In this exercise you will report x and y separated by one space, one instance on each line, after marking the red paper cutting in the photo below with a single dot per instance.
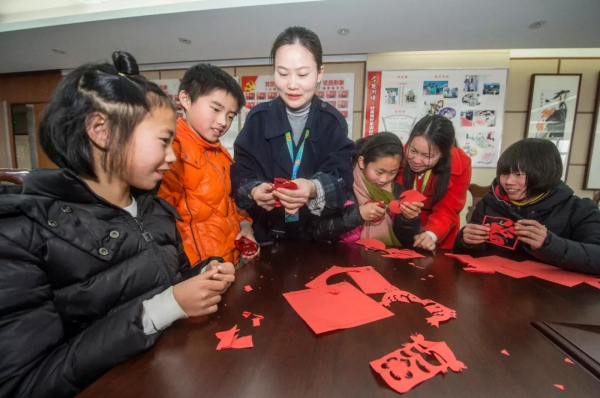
246 314
567 360
412 196
370 281
320 282
402 254
560 386
372 244
407 367
439 312
242 342
505 352
394 207
423 279
594 282
549 273
502 232
324 312
248 288
463 258
226 338
255 322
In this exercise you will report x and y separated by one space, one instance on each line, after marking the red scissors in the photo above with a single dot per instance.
283 183
246 246
381 204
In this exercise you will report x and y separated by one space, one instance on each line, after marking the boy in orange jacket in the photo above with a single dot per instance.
198 183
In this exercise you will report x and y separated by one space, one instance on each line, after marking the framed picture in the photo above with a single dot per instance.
552 110
592 172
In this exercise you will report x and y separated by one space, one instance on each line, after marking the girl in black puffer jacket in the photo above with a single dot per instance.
552 224
91 265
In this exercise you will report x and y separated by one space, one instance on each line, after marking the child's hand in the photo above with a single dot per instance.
226 272
294 199
411 210
424 241
263 196
371 211
200 295
248 233
531 232
475 234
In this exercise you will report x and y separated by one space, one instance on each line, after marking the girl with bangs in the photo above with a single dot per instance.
552 224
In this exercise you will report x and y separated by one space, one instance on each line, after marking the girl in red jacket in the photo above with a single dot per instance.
440 170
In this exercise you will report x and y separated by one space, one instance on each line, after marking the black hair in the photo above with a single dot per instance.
118 92
203 79
303 36
438 131
378 146
539 159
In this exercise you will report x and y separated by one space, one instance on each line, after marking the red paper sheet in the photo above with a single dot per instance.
463 258
411 196
407 367
324 312
370 281
594 282
549 273
372 244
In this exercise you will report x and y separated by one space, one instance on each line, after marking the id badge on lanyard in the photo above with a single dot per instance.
288 140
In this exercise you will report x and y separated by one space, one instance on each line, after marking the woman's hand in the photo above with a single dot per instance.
475 234
263 196
424 241
293 199
531 232
411 210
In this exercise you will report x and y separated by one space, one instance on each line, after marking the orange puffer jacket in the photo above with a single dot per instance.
199 187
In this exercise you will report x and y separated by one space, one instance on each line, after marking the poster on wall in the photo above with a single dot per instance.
336 88
171 88
473 99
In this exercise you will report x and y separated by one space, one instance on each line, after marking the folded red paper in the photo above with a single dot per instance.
407 367
229 339
372 244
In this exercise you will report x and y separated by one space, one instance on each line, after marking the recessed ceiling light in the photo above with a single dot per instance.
184 40
56 50
537 24
343 31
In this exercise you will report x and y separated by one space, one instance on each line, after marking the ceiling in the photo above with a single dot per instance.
238 29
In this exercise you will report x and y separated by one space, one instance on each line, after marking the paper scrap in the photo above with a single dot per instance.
246 314
407 367
372 244
229 339
248 288
560 386
567 360
324 312
505 352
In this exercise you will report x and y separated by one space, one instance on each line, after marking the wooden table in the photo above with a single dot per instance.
494 313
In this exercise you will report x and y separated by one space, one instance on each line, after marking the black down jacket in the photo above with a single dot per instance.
573 224
74 271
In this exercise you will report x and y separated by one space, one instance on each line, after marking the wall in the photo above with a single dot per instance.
20 89
519 77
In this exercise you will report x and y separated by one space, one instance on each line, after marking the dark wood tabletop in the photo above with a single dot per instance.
494 313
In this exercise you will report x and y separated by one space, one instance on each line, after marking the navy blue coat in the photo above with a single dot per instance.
261 154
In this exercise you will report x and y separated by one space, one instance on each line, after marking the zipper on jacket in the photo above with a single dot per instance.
191 222
222 179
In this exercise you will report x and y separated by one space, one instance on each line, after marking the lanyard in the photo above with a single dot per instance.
288 141
425 180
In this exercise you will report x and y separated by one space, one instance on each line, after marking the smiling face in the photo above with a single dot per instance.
211 115
515 185
421 155
296 75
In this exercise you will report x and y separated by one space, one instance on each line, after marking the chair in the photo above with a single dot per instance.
477 192
597 198
15 176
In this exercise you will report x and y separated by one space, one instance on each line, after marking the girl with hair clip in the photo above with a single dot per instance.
92 267
376 165
441 171
552 224
297 137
